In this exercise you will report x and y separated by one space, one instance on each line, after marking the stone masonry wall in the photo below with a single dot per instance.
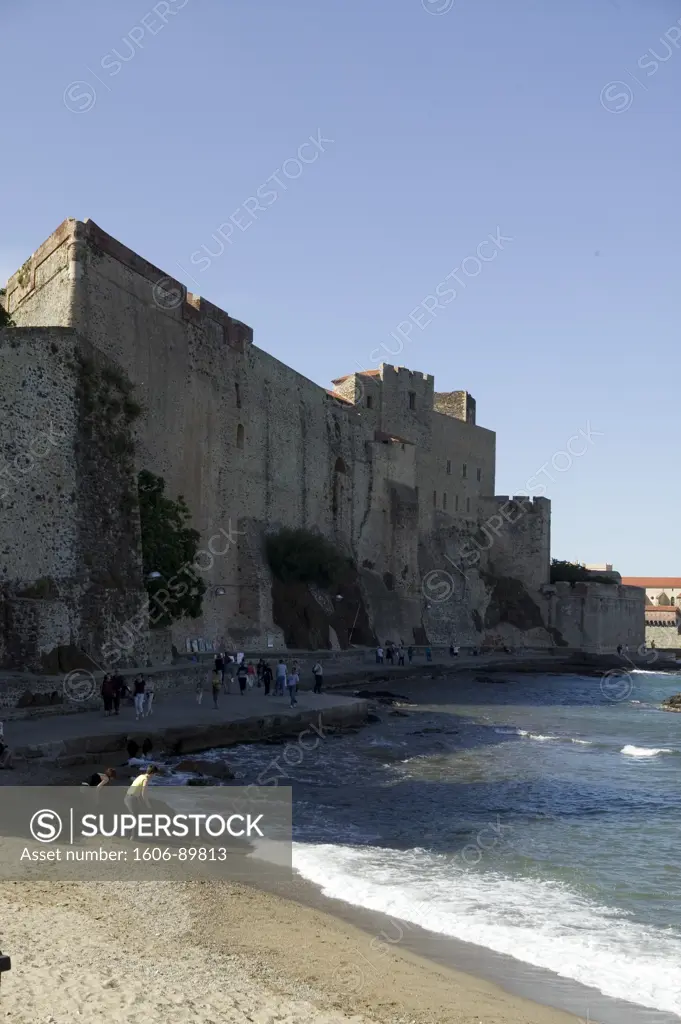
596 616
70 568
664 637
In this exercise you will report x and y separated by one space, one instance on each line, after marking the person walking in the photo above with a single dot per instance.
199 690
117 685
266 677
292 685
400 655
138 691
410 653
250 671
215 683
318 674
242 676
220 666
379 655
228 678
258 671
429 654
389 653
107 695
280 678
149 691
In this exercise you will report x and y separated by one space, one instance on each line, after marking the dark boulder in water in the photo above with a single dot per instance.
371 717
672 703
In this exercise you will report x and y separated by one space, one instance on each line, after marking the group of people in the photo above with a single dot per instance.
395 654
115 689
230 669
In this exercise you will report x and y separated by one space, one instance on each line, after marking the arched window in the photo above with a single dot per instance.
240 436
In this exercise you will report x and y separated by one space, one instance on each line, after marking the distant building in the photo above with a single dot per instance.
662 608
604 569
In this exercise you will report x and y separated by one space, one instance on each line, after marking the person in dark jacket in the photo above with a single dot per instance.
266 677
107 694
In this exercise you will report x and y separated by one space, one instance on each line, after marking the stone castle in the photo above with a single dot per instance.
113 367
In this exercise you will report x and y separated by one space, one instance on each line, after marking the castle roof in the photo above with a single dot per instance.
360 373
339 398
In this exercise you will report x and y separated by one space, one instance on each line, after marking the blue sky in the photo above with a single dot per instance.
448 123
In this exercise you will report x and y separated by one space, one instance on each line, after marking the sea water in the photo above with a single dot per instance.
536 818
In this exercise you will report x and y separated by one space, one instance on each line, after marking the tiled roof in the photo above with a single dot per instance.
658 582
360 373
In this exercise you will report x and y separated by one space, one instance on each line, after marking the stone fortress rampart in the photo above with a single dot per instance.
396 474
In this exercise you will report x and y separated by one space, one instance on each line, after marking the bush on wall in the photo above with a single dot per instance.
169 547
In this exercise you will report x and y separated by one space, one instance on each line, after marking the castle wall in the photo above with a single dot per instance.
514 539
397 475
663 637
595 616
448 472
241 435
69 532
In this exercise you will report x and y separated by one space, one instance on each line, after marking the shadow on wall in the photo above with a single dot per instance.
307 618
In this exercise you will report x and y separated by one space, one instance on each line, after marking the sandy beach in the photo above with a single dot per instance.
218 952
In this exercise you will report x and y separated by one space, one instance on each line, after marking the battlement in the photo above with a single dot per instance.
404 374
534 505
457 404
76 245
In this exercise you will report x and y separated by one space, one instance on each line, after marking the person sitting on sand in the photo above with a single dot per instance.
99 779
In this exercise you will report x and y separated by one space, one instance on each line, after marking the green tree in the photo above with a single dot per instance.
5 318
573 572
169 547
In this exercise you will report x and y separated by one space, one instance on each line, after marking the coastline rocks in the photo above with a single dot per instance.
214 769
672 703
383 696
